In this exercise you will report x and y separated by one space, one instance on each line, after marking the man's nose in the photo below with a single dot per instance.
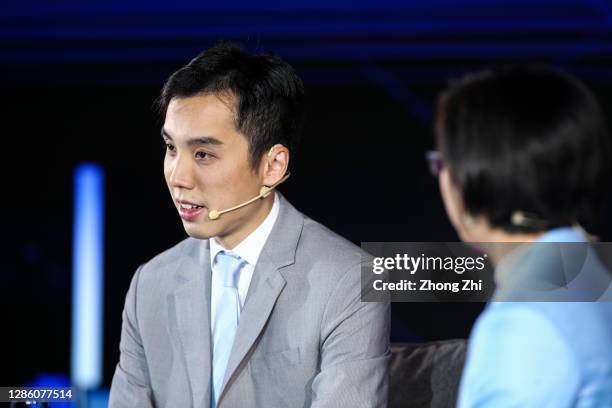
181 173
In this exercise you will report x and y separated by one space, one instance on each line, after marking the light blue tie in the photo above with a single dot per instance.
228 315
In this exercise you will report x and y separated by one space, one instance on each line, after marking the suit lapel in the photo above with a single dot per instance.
265 288
192 301
267 284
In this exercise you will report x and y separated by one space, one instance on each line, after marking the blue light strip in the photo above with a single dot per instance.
87 277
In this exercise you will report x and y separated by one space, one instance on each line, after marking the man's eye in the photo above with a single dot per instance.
202 155
168 147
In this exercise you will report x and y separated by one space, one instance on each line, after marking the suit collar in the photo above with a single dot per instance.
281 246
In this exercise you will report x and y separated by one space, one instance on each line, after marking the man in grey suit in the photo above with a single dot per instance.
261 306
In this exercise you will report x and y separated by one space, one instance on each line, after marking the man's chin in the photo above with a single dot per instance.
197 231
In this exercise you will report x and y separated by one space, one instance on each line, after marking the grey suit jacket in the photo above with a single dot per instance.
305 339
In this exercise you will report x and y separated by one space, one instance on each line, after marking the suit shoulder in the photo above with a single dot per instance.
326 245
156 268
172 254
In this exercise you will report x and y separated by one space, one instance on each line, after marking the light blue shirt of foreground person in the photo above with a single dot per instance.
540 354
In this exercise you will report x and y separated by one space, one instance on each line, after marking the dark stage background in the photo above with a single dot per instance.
79 86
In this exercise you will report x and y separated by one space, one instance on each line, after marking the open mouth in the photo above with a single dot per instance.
189 211
190 206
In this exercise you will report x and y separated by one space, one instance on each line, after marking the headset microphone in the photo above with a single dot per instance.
263 192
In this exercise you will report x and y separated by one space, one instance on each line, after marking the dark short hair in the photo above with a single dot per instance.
269 95
529 139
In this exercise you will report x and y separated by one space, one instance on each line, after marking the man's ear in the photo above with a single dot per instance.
274 164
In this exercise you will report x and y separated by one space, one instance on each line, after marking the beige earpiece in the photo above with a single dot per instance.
468 221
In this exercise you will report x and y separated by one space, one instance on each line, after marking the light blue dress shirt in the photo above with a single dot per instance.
540 354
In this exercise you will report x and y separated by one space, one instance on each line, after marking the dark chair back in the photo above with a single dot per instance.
426 375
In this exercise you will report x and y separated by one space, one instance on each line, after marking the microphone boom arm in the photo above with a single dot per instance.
263 193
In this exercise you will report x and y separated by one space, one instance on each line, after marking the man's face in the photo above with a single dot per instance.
207 167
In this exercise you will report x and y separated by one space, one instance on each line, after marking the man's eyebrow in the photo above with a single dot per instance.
165 134
202 140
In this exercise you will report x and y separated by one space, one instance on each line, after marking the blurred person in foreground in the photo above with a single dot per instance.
523 157
260 306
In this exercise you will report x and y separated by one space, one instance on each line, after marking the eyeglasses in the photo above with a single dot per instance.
435 162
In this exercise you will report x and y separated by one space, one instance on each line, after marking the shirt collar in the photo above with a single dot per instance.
250 248
564 234
508 267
